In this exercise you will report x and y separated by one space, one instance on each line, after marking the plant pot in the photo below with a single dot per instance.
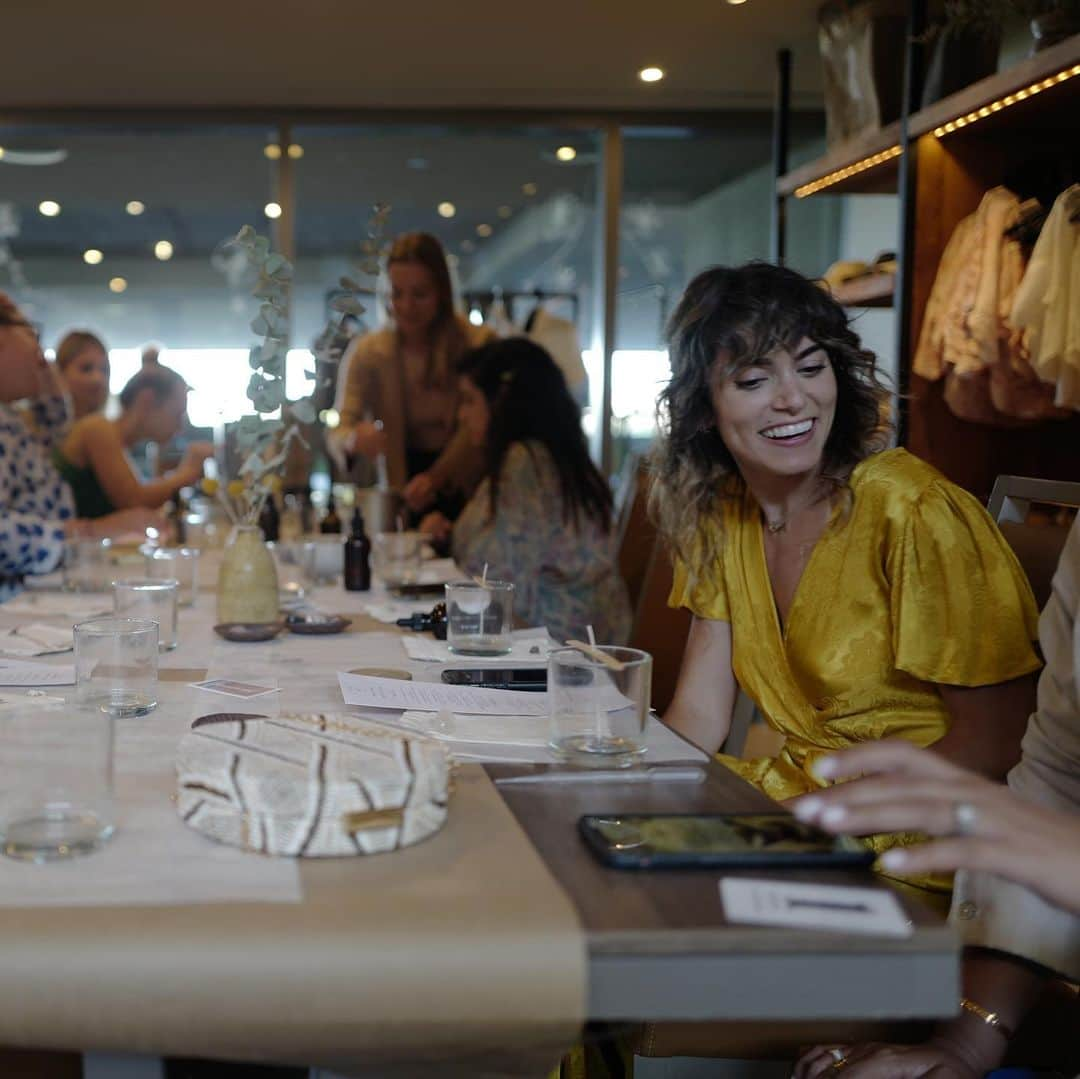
247 589
957 59
1053 26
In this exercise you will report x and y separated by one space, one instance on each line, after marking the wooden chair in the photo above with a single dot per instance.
636 534
659 629
1036 538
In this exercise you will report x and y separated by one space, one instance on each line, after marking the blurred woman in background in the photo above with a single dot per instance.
83 363
541 517
93 456
397 388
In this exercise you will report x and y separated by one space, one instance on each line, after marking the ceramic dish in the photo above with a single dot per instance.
249 631
329 624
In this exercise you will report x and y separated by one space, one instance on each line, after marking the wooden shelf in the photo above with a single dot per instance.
1057 105
872 290
876 180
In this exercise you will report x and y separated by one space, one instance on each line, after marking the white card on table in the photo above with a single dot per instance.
21 673
230 688
367 692
835 907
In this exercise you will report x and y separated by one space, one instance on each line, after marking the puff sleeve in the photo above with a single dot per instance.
961 607
705 595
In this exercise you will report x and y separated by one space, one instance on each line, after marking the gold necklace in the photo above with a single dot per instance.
776 527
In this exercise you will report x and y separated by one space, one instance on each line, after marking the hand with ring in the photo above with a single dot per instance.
984 825
878 1061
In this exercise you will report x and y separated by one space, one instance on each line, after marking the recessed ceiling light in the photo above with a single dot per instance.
163 250
651 74
528 189
272 210
736 1
566 153
484 230
296 151
272 151
117 284
135 207
48 208
92 256
447 209
504 212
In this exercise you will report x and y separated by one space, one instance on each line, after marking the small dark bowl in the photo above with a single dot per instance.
249 631
336 624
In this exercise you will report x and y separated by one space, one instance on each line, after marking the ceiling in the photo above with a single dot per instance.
343 54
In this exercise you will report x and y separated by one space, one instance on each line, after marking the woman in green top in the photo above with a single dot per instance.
93 457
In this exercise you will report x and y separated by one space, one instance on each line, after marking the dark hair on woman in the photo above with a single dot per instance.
74 344
529 402
447 336
734 317
163 381
10 315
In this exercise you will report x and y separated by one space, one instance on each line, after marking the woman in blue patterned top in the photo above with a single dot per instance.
542 516
37 513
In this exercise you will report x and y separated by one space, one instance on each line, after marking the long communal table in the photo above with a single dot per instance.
481 951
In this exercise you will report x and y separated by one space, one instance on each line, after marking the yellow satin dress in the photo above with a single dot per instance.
911 585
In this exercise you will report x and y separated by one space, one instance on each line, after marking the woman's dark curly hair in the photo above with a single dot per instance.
529 402
736 316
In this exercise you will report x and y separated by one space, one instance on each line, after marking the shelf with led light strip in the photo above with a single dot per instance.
1049 80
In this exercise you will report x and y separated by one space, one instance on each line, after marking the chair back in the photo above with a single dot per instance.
637 534
659 629
1034 517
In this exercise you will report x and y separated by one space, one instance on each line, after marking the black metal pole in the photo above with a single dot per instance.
781 138
914 70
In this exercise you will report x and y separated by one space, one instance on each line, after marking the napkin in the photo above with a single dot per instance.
37 639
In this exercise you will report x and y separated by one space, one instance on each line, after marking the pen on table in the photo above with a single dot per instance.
662 775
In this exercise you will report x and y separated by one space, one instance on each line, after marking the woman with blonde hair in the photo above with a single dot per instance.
397 389
83 363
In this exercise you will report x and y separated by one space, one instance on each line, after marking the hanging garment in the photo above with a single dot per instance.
1047 305
560 337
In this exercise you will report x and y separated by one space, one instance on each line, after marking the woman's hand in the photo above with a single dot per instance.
437 526
369 439
988 827
419 492
190 469
121 523
876 1061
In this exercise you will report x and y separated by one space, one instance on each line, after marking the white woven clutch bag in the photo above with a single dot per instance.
309 786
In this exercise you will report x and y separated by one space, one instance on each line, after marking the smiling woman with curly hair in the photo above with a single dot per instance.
851 590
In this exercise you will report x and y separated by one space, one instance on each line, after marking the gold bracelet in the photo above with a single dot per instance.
991 1019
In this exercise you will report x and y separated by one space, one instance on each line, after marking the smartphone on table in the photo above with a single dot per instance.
717 840
523 678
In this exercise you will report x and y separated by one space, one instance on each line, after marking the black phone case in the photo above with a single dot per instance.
538 686
637 859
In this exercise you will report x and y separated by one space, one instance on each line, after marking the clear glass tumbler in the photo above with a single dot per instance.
180 564
396 557
152 599
599 709
88 565
479 617
116 666
324 558
56 800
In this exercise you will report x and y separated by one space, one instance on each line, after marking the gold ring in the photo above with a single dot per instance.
836 1065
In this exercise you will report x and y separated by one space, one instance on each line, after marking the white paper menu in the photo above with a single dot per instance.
21 673
365 691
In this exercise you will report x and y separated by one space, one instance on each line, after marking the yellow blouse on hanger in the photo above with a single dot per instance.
912 585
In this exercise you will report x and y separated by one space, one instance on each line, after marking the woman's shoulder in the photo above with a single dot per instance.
894 478
530 459
373 347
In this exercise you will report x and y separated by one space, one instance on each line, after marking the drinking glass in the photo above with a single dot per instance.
180 564
56 798
152 599
116 666
479 617
396 557
598 710
324 558
88 565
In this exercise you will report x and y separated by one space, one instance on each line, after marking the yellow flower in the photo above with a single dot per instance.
272 483
209 486
235 488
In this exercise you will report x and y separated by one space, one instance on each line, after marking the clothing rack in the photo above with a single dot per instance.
485 298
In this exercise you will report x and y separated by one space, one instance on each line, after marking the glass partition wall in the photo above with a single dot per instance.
119 228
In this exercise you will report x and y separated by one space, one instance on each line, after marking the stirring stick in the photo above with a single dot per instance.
482 580
595 653
601 727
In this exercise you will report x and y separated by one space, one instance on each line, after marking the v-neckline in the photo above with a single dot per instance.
782 626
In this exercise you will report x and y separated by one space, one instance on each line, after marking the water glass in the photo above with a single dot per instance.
153 599
57 796
116 666
479 617
323 558
180 564
598 710
88 565
396 557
